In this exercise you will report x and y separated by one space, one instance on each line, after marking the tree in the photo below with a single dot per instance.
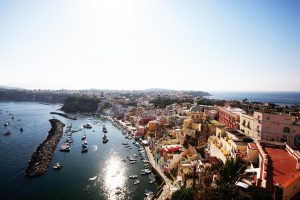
259 193
183 194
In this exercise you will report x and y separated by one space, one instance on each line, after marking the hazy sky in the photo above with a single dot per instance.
118 44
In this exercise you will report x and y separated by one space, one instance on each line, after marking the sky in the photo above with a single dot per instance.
218 45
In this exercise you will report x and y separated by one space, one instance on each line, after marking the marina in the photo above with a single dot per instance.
94 174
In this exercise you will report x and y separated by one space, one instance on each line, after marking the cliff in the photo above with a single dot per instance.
43 154
31 95
81 104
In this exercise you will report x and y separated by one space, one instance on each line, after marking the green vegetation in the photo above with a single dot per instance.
259 193
183 194
163 102
219 181
81 103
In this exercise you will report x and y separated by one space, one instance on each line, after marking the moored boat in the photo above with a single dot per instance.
57 165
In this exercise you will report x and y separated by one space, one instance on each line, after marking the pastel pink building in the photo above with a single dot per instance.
277 127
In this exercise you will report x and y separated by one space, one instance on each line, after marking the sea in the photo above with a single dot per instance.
280 98
72 181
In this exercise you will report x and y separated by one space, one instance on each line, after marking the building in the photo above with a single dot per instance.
247 125
230 116
230 143
277 127
279 169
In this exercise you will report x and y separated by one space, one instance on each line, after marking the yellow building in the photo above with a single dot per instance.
247 125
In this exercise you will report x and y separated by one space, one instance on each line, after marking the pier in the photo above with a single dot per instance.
43 154
64 115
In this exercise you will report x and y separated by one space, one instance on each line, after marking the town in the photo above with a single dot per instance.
214 149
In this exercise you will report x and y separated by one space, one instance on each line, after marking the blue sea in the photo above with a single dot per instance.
281 98
72 180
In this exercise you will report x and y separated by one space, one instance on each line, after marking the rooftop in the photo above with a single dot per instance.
284 166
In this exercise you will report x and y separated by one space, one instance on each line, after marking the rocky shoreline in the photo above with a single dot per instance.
40 160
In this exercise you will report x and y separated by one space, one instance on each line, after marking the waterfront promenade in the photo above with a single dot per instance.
168 188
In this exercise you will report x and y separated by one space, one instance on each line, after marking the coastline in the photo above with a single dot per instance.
166 187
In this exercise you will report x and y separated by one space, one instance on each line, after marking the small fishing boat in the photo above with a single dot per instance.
152 180
87 125
135 182
57 166
93 178
65 147
83 137
105 139
132 162
133 176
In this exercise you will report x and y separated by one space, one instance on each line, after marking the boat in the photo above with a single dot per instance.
7 132
65 147
105 139
146 161
85 142
132 159
57 166
6 124
132 162
87 125
133 176
104 129
93 178
21 129
124 143
148 193
84 148
135 182
83 137
152 180
145 171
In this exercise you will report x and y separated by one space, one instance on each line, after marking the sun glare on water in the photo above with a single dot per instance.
114 178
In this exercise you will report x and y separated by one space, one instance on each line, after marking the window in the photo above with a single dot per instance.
283 138
286 130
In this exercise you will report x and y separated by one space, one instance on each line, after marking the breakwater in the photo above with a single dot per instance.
40 160
63 115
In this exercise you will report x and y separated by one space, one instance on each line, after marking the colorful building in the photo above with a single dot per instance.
277 127
230 116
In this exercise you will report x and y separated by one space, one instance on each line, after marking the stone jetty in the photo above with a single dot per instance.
42 156
63 115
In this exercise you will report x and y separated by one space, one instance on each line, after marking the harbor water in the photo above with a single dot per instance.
72 181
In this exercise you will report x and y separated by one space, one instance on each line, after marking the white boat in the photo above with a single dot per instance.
65 147
133 176
135 182
57 166
152 180
93 178
132 162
